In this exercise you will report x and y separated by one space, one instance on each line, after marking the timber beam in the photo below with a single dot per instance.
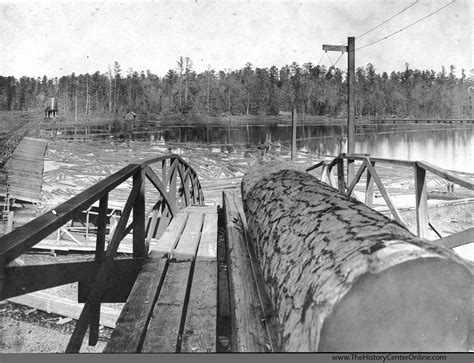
343 277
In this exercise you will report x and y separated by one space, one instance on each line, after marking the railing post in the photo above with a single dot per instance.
99 254
163 170
340 175
2 275
369 187
324 174
139 249
421 202
172 192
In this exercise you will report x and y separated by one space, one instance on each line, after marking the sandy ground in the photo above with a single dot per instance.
23 337
25 330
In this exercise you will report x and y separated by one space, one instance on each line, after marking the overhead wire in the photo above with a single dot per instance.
391 18
386 21
409 25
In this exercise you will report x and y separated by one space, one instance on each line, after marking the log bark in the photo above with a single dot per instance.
343 277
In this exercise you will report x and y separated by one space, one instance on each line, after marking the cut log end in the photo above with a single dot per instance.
342 277
419 305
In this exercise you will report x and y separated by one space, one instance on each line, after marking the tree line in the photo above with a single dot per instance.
313 90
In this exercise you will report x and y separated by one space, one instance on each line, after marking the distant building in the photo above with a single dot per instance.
51 109
130 116
284 113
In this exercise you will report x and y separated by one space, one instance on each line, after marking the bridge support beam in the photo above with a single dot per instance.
343 277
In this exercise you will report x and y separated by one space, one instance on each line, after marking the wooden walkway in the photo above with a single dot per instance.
173 304
25 170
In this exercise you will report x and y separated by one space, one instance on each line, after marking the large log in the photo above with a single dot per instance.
343 277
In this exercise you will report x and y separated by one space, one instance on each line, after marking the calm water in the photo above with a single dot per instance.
450 149
447 147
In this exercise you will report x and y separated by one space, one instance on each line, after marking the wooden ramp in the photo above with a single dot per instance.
25 170
173 304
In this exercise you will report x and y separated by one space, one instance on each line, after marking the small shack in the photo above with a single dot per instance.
130 116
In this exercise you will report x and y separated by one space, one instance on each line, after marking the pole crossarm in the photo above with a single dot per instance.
335 48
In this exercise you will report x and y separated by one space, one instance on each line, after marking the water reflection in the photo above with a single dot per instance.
450 148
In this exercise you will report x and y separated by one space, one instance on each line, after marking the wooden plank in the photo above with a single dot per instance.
133 321
25 194
152 222
99 254
335 48
172 181
161 188
163 169
356 178
315 166
248 332
207 250
223 306
189 241
168 241
421 200
200 208
384 193
165 219
26 165
266 304
28 144
379 160
28 158
184 183
340 176
22 239
65 307
369 187
118 286
20 280
163 329
456 239
199 333
103 274
139 247
448 175
161 158
26 180
27 151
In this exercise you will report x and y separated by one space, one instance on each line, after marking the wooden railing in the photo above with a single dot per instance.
106 279
372 178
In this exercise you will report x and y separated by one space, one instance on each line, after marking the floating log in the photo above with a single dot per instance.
343 277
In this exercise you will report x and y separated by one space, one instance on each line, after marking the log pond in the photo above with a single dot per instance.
445 145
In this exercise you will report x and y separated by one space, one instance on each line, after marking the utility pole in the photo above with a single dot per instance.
470 91
294 120
350 49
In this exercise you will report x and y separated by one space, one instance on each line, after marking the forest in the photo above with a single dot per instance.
313 90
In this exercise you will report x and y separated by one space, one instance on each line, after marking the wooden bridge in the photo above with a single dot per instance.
180 293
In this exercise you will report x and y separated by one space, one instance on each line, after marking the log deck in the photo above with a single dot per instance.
306 269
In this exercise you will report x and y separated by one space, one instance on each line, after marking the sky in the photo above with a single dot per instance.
56 38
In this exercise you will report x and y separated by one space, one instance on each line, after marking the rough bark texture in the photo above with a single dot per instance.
343 277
